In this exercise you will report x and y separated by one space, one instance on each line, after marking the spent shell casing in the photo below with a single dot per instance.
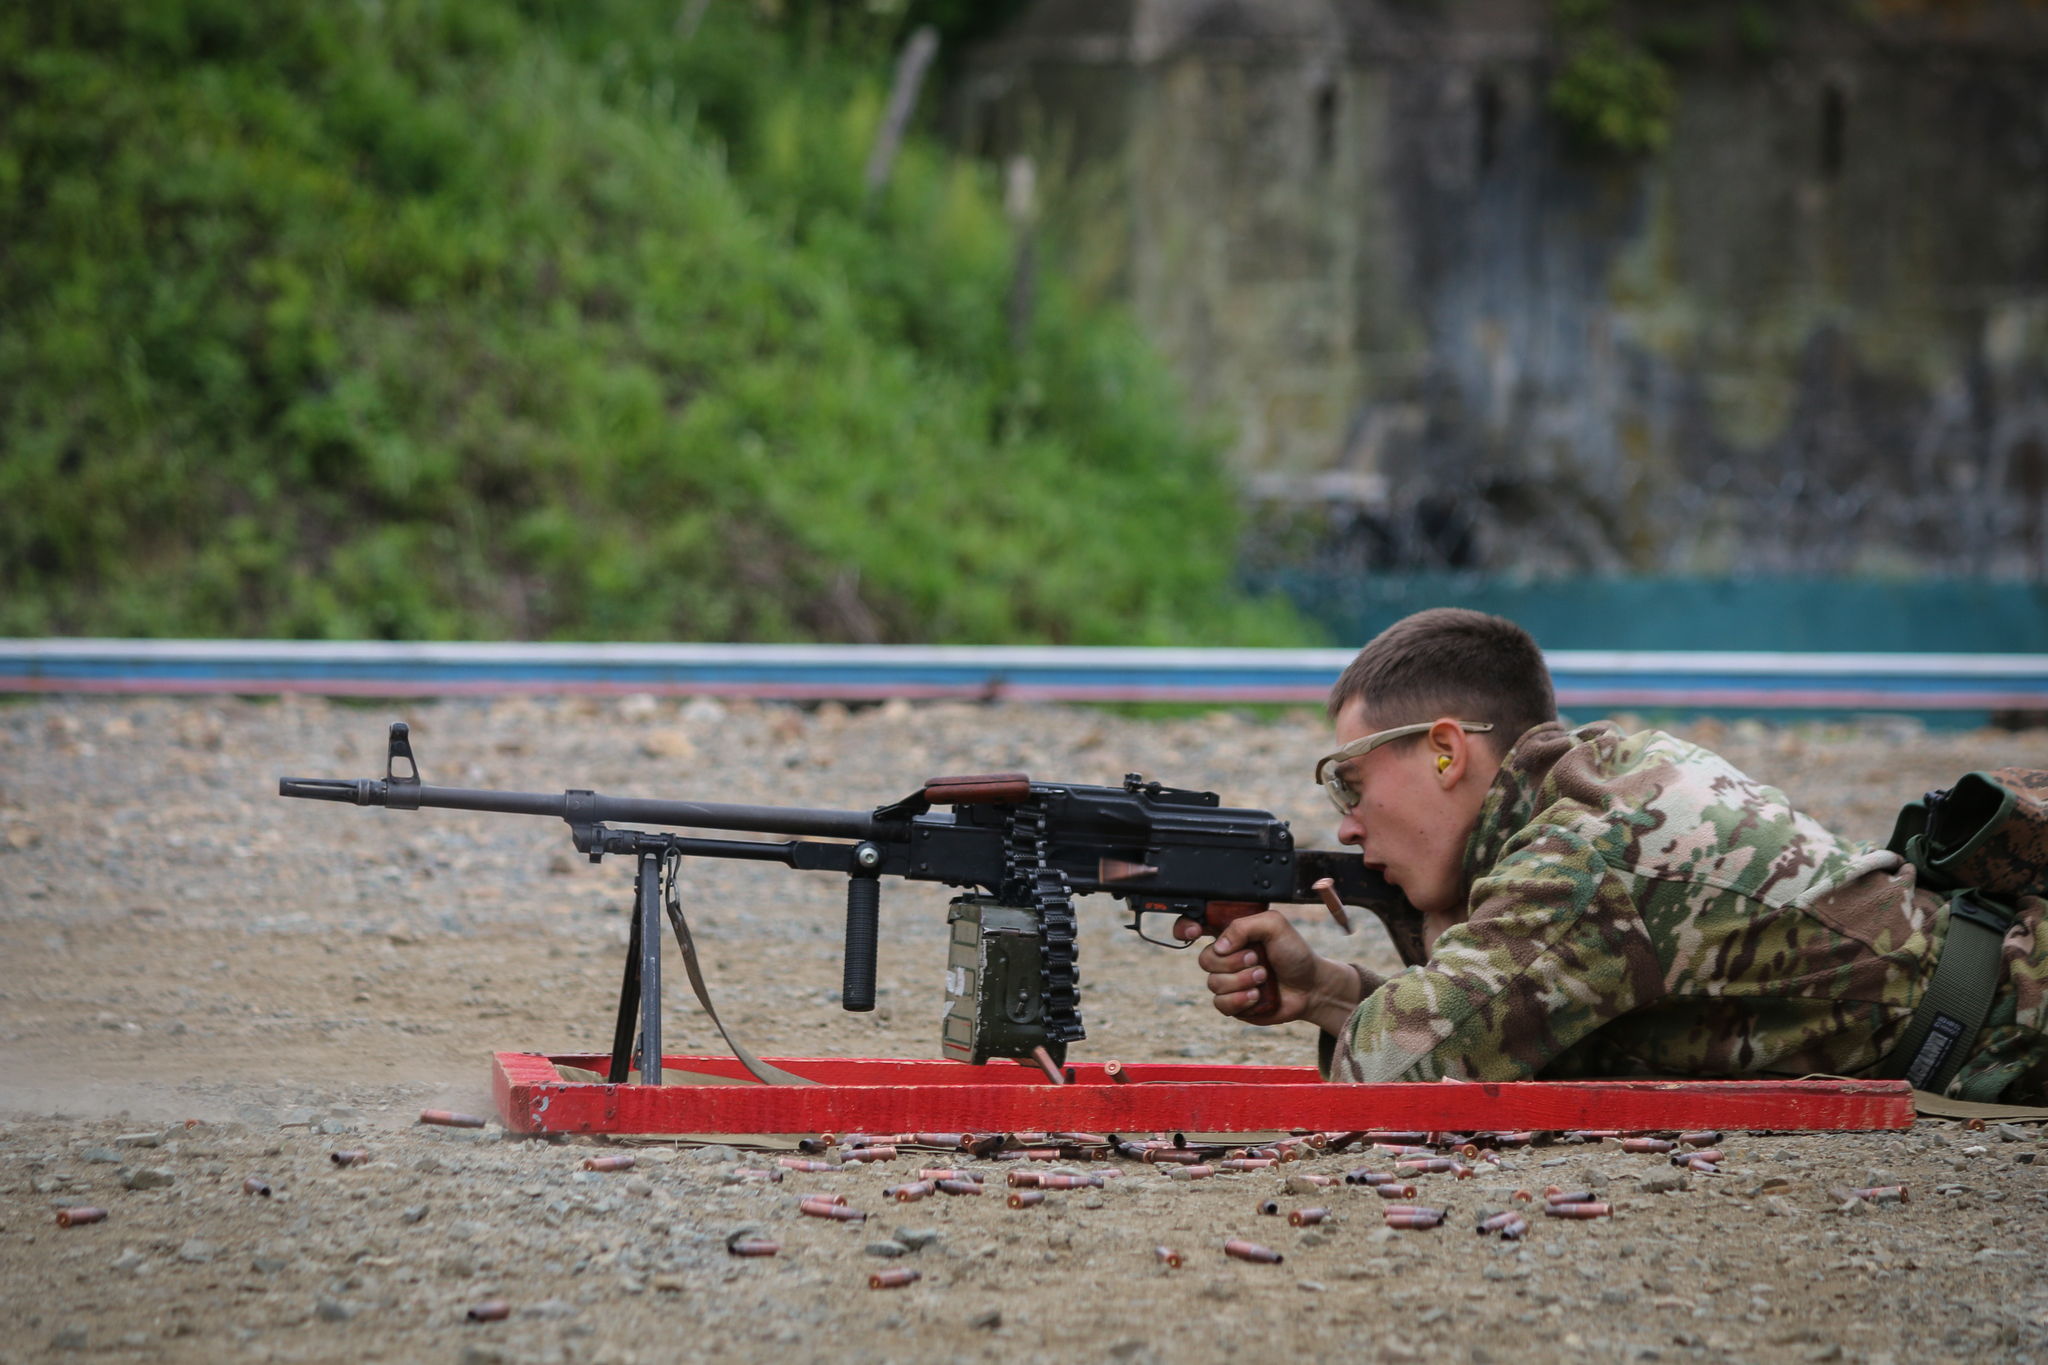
821 1208
1470 1151
1392 1191
1522 1139
1315 1179
1166 1256
1392 1135
1705 1137
1415 1222
1366 1176
1460 1171
1307 1218
1524 1196
1646 1145
1251 1251
1073 1182
78 1215
609 1163
894 1279
911 1193
1337 1142
1246 1163
1553 1194
1513 1231
1436 1165
1881 1194
1702 1168
1580 1210
936 1139
797 1163
1198 1171
948 1173
448 1118
1403 1149
1498 1221
1039 1154
1168 1156
958 1186
349 1158
1024 1199
256 1184
1975 1125
754 1246
878 1152
1026 1180
491 1310
1414 1208
1592 1134
1116 1073
1269 1207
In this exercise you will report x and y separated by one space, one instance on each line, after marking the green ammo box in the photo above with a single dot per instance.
994 983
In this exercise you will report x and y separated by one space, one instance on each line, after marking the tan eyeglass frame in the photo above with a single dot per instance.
1342 796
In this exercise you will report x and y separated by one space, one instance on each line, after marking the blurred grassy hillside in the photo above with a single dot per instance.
551 318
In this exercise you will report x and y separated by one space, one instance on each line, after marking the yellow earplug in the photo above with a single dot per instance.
1443 763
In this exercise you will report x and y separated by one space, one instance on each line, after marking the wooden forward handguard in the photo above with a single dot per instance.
985 789
1220 916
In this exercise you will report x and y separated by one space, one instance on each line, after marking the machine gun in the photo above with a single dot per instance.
1019 850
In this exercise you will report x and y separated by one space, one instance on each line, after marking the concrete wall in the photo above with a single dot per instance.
1810 336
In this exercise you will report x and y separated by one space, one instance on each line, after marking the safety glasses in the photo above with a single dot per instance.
1343 795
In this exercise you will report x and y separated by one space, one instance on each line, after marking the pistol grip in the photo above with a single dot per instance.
1219 916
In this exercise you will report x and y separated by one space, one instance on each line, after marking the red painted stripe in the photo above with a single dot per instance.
886 1095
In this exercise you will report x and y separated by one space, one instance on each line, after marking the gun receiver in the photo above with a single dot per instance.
1019 849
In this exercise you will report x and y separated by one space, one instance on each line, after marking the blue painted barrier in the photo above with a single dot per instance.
1586 680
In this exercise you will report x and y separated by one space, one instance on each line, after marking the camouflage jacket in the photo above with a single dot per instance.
1639 907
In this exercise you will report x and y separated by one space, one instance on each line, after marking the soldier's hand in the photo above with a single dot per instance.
1311 986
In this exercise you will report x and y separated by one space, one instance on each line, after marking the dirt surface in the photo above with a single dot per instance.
203 980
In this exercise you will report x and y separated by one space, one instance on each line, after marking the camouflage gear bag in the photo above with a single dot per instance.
1989 832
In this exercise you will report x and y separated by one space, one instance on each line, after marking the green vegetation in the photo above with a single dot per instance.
552 319
1612 94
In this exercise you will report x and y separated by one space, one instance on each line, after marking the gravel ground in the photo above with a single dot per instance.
203 983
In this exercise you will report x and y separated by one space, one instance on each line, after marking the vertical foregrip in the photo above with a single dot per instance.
863 929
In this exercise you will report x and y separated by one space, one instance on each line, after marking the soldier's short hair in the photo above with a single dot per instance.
1451 662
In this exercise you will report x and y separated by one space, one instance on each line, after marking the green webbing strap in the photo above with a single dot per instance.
1942 1030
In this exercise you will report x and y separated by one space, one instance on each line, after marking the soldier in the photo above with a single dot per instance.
1603 904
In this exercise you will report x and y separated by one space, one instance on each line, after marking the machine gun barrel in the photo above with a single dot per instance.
596 809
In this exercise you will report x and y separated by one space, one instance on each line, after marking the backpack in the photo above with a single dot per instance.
1987 833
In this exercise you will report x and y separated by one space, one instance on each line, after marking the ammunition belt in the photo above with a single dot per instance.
1030 882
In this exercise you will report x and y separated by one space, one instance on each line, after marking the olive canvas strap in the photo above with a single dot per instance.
1958 998
763 1072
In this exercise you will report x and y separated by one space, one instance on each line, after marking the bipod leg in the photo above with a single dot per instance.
629 1005
647 948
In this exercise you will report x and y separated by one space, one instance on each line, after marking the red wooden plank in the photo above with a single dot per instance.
881 1095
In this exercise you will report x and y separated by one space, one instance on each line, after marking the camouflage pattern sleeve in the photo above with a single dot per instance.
1553 950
